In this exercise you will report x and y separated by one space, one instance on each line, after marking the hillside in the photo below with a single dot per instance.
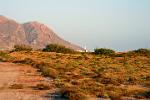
11 33
38 36
35 34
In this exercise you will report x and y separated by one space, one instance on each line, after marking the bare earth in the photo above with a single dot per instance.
28 77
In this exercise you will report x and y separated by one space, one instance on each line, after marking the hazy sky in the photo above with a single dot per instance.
117 24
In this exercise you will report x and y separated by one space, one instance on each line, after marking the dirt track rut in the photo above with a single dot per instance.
25 76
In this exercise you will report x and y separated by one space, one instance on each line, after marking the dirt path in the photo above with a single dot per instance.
18 82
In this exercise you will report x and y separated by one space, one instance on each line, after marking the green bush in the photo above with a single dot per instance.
142 51
22 48
103 51
57 48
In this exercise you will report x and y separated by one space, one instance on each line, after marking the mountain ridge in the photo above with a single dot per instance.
33 33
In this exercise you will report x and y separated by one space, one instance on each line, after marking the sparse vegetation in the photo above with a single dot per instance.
80 76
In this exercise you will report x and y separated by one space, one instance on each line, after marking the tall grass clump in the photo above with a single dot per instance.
57 48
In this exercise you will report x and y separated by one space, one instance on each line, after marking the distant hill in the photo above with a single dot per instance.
35 34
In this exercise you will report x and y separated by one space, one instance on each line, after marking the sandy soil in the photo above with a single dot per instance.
28 77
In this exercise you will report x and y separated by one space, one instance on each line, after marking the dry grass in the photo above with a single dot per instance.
84 75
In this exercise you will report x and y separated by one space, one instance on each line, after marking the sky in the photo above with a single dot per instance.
120 25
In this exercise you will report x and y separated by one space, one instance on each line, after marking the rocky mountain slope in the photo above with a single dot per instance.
34 34
11 33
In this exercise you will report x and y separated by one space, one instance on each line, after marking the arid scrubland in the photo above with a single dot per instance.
83 75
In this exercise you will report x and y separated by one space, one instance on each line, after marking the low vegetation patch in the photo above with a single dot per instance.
104 75
4 56
22 48
73 94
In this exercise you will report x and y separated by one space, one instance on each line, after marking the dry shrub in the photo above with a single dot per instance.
147 94
16 86
22 48
28 61
73 93
4 56
42 86
50 72
115 95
